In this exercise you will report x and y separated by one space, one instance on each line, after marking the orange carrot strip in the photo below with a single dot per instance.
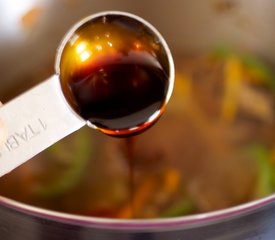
140 197
171 180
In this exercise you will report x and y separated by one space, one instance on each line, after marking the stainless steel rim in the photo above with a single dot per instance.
184 222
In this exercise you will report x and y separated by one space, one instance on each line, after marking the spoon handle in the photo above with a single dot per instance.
34 121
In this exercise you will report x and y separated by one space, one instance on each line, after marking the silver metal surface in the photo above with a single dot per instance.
34 121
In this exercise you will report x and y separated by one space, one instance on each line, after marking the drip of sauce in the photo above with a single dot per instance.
129 153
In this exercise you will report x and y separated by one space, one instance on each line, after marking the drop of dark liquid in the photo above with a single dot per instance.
115 73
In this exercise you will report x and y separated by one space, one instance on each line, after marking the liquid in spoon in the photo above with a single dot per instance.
115 74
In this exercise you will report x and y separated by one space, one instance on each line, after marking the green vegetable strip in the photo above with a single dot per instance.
183 207
69 178
249 62
266 74
265 174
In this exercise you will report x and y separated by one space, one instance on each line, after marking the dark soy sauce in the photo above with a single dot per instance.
129 153
115 73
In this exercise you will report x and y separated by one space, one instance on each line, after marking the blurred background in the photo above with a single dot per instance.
213 148
31 30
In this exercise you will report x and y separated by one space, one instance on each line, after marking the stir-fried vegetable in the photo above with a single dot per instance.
77 154
266 171
233 80
255 70
190 162
147 192
141 195
242 79
245 75
184 207
171 181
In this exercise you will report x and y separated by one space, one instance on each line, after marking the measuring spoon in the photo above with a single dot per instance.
114 73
